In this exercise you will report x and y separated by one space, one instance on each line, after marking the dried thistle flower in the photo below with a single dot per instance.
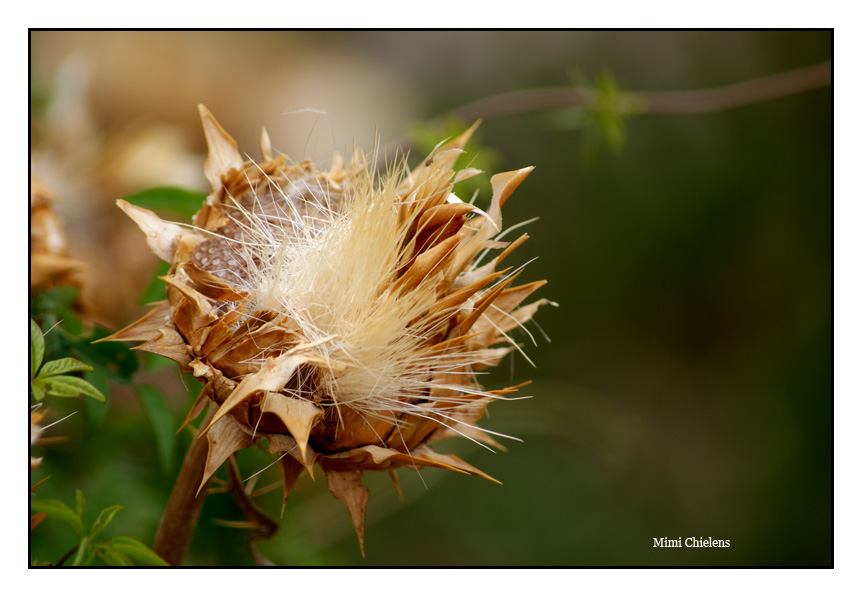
341 316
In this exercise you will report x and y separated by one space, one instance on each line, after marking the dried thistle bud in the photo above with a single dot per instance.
49 263
339 315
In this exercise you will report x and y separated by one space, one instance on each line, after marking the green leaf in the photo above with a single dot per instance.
112 557
163 424
104 519
115 358
136 550
179 201
84 554
63 366
608 111
58 510
80 506
38 389
58 389
70 386
37 348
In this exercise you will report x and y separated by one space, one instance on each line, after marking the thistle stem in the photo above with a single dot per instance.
184 506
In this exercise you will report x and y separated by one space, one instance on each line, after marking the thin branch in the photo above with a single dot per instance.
265 527
67 555
698 101
739 94
653 102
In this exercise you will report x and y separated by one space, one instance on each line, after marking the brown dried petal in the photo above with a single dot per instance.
272 376
298 416
348 487
224 438
161 236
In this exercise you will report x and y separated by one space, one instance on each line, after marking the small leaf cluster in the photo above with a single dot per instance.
52 378
117 551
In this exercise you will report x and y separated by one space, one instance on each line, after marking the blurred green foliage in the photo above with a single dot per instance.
687 387
118 551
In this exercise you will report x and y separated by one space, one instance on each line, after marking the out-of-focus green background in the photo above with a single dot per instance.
687 388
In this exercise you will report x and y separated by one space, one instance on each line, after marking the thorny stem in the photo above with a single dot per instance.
184 505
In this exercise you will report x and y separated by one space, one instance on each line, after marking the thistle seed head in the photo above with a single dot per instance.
341 315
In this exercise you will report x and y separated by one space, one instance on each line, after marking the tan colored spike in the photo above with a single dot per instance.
282 443
503 185
440 216
485 302
146 328
369 454
210 285
224 438
291 470
426 264
223 155
451 342
377 457
197 408
472 244
193 313
500 323
395 478
459 429
465 174
443 159
511 247
298 416
272 376
201 301
348 487
451 462
217 336
266 146
169 344
460 141
524 313
512 297
461 295
161 236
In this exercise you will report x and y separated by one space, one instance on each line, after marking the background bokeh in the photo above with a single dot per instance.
687 386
